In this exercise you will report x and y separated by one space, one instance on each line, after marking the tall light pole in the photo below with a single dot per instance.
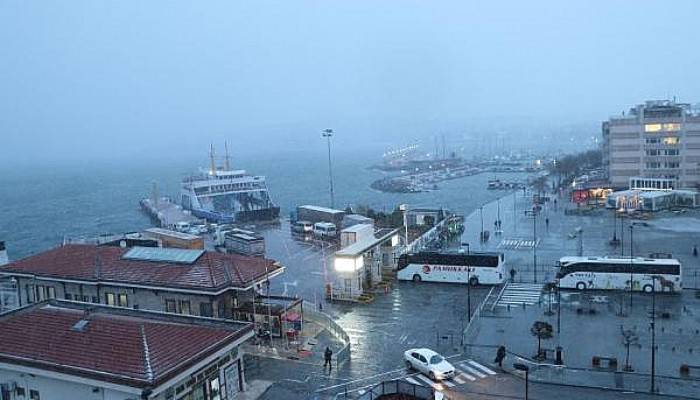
404 210
631 265
533 213
653 336
328 133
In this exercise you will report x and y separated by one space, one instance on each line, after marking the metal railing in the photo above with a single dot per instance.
325 321
396 387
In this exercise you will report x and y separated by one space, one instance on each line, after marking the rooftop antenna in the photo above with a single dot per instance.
212 163
228 157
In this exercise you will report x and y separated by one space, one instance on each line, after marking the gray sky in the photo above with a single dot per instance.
133 78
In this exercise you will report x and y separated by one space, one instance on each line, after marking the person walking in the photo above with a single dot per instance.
327 356
695 250
512 274
500 355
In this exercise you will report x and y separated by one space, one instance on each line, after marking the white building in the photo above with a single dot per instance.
81 351
358 266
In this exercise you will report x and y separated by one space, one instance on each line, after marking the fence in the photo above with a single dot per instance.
396 387
589 377
332 327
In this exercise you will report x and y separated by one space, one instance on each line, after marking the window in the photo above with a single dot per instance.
206 310
110 299
185 307
69 296
214 389
671 140
170 306
34 395
51 292
123 300
86 298
19 391
672 127
653 152
652 128
653 140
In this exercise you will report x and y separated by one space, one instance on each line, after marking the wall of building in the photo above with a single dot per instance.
145 299
632 150
55 389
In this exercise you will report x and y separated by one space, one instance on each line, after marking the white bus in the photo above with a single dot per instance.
457 267
597 273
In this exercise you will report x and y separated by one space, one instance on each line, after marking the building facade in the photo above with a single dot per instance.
82 351
655 140
177 281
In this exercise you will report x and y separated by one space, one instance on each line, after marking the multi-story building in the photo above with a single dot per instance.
656 143
178 281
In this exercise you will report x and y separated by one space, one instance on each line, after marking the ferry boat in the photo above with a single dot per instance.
225 196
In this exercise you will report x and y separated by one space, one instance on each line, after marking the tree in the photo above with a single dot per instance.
541 330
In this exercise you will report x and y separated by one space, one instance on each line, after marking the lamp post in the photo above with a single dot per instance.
533 213
328 133
653 336
631 265
404 209
481 214
526 369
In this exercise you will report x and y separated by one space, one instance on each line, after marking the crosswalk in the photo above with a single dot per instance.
465 371
518 243
517 294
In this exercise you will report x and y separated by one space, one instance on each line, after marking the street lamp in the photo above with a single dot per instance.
327 133
526 369
404 209
533 213
631 265
653 335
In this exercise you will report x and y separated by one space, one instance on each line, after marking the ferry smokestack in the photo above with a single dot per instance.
4 260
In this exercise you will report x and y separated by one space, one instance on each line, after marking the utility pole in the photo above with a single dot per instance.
653 336
631 265
328 133
533 213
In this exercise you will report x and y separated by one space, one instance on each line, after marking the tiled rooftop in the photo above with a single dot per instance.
112 346
212 271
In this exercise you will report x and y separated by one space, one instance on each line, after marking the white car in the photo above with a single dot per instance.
429 363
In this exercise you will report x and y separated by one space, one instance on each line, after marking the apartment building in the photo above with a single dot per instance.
657 142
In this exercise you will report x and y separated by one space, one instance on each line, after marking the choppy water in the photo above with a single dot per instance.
39 206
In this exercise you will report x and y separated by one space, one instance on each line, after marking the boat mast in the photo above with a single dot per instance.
228 157
212 163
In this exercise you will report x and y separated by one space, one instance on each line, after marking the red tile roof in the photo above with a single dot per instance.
211 272
113 345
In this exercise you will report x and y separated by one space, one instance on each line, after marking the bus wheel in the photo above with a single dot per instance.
648 288
473 281
581 286
417 278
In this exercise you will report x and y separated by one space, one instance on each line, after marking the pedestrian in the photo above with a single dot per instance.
320 306
500 355
546 222
512 274
327 355
695 250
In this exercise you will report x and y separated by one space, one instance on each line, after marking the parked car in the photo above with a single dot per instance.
429 363
303 227
325 230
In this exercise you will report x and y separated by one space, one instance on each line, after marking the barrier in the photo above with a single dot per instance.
396 387
332 327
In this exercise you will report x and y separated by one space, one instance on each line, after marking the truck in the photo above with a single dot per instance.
315 214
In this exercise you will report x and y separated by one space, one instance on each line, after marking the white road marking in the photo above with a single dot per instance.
459 380
448 383
427 380
466 375
472 370
413 381
482 367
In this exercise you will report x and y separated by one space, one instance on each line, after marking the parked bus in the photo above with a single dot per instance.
457 267
646 274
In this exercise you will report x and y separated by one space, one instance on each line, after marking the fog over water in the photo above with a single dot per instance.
128 80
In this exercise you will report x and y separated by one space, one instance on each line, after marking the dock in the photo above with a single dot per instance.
166 213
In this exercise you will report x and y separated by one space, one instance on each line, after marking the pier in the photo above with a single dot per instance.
167 213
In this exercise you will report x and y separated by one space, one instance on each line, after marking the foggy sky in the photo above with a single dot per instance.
136 78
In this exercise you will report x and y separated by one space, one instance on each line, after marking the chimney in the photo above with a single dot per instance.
3 254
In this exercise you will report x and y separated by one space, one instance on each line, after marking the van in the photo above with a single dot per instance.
182 226
325 230
303 227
